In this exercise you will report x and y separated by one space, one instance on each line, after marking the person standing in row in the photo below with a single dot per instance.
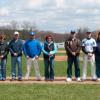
15 47
72 47
88 47
49 49
97 57
4 50
32 50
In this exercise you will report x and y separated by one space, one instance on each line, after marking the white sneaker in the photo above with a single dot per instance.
98 79
27 77
78 79
68 79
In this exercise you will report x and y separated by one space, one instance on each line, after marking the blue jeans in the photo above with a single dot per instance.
3 69
18 61
49 68
75 60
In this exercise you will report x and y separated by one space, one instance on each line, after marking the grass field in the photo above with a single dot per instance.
48 91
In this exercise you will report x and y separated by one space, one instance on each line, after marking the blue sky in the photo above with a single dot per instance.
52 15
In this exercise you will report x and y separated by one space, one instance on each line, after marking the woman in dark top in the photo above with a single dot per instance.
3 57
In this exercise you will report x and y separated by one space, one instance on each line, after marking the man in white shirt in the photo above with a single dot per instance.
88 47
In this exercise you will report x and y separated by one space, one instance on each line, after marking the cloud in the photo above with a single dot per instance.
52 14
36 3
4 12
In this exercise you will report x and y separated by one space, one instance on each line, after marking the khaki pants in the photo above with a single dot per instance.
36 68
93 68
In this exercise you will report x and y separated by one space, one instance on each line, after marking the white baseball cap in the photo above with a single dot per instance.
16 33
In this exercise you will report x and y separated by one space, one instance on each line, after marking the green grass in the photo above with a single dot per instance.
49 92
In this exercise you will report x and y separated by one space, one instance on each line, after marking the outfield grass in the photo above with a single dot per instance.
49 92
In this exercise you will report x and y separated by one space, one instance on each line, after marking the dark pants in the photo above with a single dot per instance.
49 68
75 60
97 60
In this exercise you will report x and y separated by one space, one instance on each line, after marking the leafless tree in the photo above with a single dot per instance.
28 26
14 25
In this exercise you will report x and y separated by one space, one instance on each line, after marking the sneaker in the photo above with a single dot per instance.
68 79
19 79
26 77
3 79
78 79
94 79
46 79
51 79
38 78
13 79
98 79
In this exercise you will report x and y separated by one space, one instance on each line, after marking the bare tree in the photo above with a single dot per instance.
81 32
28 26
14 25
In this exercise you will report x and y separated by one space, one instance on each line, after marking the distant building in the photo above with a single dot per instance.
60 45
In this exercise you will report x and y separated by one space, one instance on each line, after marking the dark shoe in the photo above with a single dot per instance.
19 79
3 79
51 80
94 80
0 79
13 79
46 79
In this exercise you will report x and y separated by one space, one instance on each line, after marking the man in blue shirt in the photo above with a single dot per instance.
32 50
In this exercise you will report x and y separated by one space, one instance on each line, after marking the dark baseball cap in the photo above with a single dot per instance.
72 32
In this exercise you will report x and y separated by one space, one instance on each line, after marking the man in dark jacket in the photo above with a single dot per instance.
72 47
15 47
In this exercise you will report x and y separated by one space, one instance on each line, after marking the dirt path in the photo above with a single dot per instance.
58 80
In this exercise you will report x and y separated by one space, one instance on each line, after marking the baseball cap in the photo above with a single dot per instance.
88 32
32 33
16 33
72 32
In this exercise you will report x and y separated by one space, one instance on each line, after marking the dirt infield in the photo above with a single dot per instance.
58 58
58 80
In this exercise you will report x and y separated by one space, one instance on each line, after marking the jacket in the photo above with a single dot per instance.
4 49
72 46
16 47
49 49
32 48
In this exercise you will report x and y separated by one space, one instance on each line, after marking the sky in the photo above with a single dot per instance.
52 15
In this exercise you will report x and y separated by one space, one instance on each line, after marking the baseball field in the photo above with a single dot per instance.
57 90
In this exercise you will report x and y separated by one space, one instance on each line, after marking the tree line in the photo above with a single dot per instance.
25 27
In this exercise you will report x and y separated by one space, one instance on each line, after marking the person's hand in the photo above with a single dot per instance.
49 54
73 53
27 57
36 57
15 54
90 55
1 56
